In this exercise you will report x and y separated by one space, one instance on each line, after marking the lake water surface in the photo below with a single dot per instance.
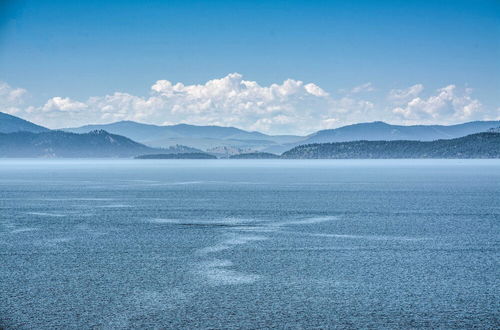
249 243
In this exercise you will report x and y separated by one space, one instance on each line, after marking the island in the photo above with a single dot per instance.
187 155
255 155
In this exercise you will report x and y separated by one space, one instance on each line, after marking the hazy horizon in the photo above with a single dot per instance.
256 131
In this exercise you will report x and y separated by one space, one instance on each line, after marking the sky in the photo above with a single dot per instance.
280 67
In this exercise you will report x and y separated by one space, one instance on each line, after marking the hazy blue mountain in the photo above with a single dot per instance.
130 129
209 137
203 137
10 124
380 131
97 143
147 132
480 145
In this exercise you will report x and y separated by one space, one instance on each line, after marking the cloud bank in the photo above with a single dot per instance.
447 105
288 107
11 99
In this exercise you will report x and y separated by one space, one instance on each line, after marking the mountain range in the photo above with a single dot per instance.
380 131
201 137
479 145
217 140
209 137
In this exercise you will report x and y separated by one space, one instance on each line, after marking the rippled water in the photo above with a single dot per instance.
249 244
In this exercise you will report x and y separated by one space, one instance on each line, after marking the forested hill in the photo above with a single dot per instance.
63 144
185 155
255 155
481 145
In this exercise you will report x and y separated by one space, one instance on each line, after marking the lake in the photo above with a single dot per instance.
249 243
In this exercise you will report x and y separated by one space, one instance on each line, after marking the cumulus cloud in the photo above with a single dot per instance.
367 87
63 104
447 106
400 96
11 99
290 107
315 90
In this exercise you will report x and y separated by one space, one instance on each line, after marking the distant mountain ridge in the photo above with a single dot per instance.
11 124
380 131
227 141
480 145
202 137
141 131
96 144
209 137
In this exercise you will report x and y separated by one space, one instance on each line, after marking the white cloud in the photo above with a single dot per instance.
315 90
400 96
63 104
447 106
363 88
290 107
11 99
367 87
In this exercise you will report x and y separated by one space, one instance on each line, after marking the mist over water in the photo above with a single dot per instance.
249 244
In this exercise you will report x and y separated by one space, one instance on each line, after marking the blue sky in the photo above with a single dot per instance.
70 58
